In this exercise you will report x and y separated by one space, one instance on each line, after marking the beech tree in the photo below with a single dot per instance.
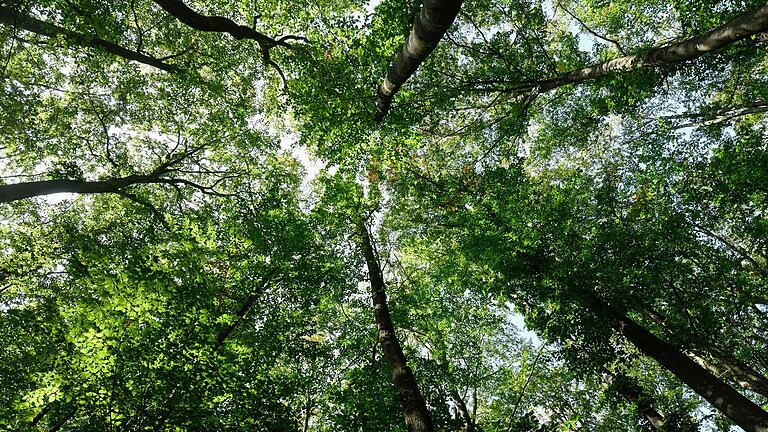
496 216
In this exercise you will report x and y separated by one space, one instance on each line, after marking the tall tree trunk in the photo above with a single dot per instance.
434 19
635 395
739 28
417 417
723 397
13 18
723 364
732 369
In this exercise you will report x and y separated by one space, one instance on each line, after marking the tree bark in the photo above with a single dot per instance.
461 407
725 365
723 397
417 417
19 191
12 18
434 19
634 395
732 369
739 28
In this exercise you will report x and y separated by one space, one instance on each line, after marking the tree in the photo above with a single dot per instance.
561 225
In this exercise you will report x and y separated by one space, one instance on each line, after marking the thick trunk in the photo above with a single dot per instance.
461 407
434 19
19 191
723 397
744 374
635 395
10 17
417 418
733 31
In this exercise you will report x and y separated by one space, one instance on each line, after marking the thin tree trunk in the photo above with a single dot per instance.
307 414
176 394
434 19
725 365
13 18
723 397
41 414
244 309
417 417
739 28
525 386
461 407
732 369
634 395
56 427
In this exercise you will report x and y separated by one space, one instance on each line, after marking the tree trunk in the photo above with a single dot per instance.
19 191
739 28
434 19
176 393
634 395
417 417
723 397
732 369
244 309
461 407
12 18
725 365
307 414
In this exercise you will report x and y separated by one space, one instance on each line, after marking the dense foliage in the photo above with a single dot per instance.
187 192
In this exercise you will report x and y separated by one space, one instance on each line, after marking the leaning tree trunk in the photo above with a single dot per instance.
417 417
723 397
722 364
13 18
176 394
732 369
19 191
434 19
634 395
739 28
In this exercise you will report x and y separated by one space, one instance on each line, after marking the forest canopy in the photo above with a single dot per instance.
384 215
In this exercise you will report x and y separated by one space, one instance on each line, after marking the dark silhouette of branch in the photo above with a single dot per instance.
15 19
592 32
219 24
244 309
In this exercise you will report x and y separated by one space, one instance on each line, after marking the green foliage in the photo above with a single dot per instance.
225 291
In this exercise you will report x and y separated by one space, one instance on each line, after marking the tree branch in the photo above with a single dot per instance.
15 19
